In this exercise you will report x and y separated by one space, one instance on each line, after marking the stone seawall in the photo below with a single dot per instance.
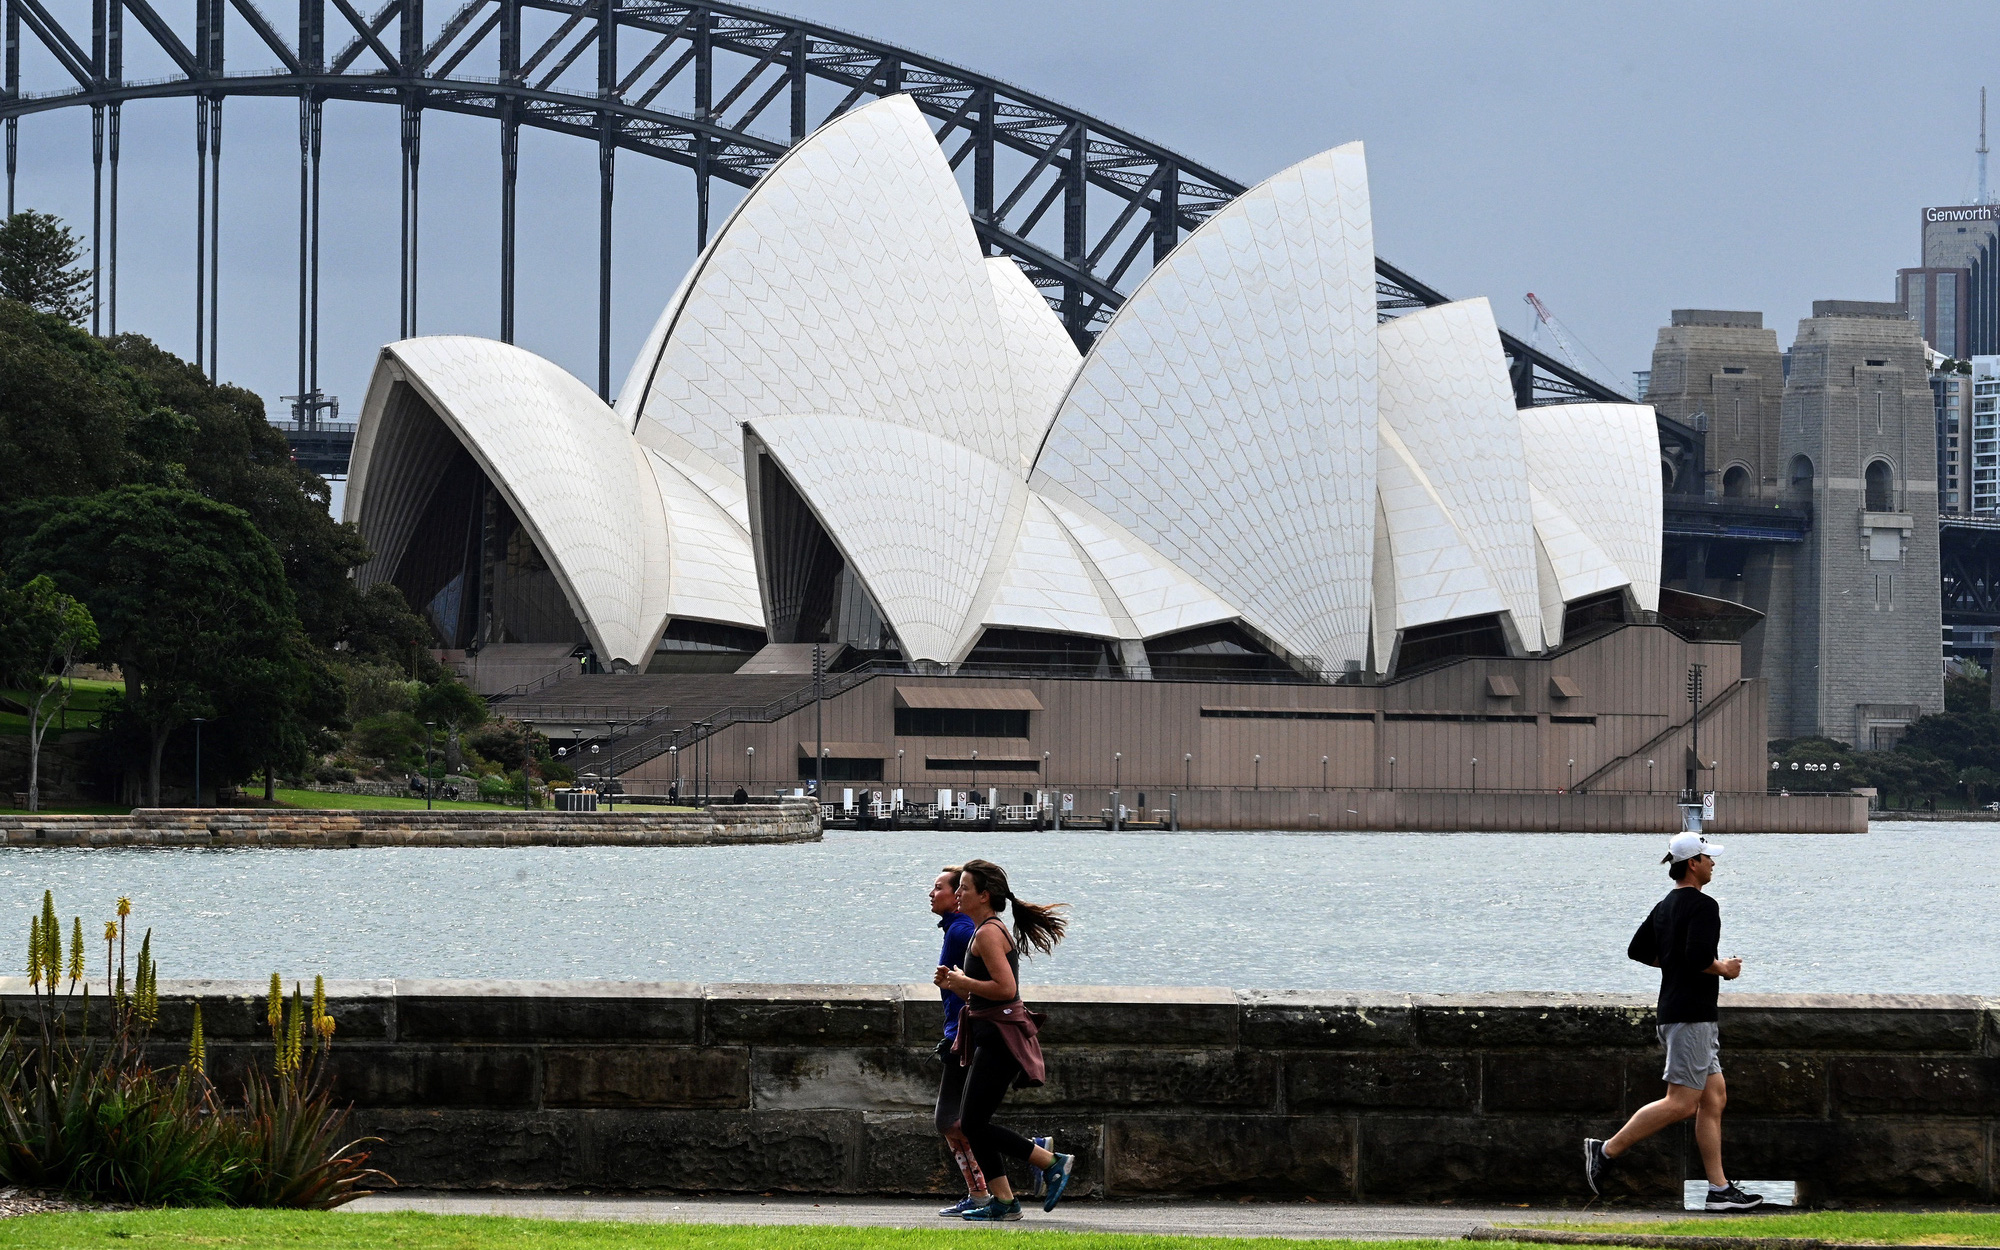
828 1089
1451 811
788 821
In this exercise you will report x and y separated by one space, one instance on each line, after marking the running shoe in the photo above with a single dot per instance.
1596 1164
1733 1199
1041 1175
994 1211
1058 1173
958 1209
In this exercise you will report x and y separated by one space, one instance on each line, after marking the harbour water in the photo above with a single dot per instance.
1905 909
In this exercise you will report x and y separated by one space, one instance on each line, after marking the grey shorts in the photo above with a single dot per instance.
1694 1053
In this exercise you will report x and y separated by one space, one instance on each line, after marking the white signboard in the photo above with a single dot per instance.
1708 806
1069 802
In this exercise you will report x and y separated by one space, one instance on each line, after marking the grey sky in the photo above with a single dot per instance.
1617 159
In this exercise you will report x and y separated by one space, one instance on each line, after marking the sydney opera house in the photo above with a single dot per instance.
1256 535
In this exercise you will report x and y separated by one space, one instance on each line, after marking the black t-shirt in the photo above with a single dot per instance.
1681 939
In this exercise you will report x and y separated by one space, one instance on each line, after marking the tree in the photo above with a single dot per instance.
191 601
454 705
39 266
43 632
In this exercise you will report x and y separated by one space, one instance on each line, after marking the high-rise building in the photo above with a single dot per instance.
1938 300
1951 399
1859 434
1983 473
1954 295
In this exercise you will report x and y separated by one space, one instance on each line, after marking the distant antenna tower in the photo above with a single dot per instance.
1984 198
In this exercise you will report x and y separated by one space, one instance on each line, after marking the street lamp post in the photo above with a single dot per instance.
674 754
1649 776
750 766
1187 770
610 769
1392 774
199 721
1047 782
899 768
430 741
1256 772
1322 772
1475 774
1117 789
1572 775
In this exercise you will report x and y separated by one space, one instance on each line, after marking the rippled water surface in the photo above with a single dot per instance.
1908 908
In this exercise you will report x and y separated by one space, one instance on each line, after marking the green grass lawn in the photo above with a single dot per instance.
336 1230
83 706
377 803
1912 1228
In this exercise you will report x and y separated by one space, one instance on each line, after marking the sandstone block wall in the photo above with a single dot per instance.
786 821
828 1089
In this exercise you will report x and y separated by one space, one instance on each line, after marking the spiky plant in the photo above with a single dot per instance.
51 939
274 1009
76 951
35 951
197 1060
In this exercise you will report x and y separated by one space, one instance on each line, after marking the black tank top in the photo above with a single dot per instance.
975 967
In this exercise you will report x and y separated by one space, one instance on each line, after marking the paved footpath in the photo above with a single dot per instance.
1199 1217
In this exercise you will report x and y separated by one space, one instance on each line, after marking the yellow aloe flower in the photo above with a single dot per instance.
34 950
124 906
76 951
197 1045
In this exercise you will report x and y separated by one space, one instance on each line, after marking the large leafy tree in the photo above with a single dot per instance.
191 601
40 266
72 420
43 633
454 705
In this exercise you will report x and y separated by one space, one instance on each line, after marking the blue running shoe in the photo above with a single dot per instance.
994 1211
958 1209
1058 1173
1041 1176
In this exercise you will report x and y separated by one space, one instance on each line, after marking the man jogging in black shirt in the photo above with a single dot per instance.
1681 939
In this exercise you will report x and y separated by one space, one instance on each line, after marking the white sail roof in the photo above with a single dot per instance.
916 517
566 467
1601 464
848 281
1445 392
1426 569
1043 356
1226 416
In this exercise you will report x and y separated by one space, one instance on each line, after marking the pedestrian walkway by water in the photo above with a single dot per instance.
1906 909
1193 1217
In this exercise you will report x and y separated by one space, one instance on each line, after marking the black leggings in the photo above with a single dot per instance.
991 1074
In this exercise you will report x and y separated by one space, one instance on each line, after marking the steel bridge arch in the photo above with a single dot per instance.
1155 195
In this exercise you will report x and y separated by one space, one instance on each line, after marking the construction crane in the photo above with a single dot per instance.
1543 317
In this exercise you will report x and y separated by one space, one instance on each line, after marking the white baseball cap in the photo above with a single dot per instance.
1689 845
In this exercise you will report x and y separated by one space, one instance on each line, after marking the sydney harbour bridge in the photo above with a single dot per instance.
1084 206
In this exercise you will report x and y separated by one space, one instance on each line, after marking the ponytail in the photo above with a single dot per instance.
1036 925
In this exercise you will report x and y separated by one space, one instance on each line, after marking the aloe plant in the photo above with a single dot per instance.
88 1115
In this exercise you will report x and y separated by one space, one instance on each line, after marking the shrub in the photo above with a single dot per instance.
395 738
88 1115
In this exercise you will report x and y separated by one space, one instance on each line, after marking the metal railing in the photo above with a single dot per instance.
571 667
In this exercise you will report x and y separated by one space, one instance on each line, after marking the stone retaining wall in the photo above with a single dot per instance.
790 821
828 1089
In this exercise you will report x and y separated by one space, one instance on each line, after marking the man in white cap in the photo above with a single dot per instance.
1681 938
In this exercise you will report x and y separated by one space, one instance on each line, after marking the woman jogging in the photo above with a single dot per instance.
997 1033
